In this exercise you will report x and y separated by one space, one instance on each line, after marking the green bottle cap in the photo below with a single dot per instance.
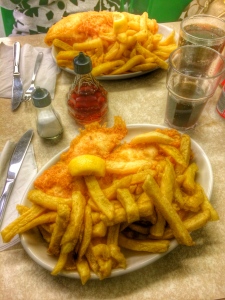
82 64
41 97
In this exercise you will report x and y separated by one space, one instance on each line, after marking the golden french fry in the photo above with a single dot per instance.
207 205
167 185
178 196
83 270
152 246
118 259
21 208
14 228
189 184
151 137
48 217
146 208
95 217
99 230
106 68
174 153
193 202
139 177
92 261
185 150
134 25
113 234
50 202
140 229
88 45
66 55
122 37
120 217
170 39
103 258
120 52
144 67
143 21
105 268
164 206
71 235
45 234
111 53
129 204
62 220
86 238
125 167
65 63
60 263
192 223
157 230
124 182
137 59
60 44
98 197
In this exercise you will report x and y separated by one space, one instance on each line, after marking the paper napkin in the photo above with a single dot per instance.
46 76
26 174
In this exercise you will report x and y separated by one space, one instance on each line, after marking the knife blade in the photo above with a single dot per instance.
17 86
13 170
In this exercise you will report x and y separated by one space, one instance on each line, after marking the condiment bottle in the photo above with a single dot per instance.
87 99
220 107
49 125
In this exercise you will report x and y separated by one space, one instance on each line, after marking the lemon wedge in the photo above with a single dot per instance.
85 165
119 22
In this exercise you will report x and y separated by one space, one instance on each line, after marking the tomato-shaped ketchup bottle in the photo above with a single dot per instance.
87 100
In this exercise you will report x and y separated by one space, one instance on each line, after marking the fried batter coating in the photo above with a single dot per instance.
56 181
94 139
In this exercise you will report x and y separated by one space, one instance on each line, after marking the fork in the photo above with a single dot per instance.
27 95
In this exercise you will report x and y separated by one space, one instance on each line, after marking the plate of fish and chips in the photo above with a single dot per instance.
37 248
139 48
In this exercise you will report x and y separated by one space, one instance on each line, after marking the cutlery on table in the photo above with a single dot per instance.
13 170
17 86
27 95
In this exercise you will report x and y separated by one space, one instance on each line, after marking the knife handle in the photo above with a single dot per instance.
16 56
4 199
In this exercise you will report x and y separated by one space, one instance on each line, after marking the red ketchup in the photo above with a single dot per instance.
87 101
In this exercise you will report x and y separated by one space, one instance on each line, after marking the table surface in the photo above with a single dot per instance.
196 272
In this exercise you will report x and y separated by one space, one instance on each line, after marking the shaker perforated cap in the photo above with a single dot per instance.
41 97
82 64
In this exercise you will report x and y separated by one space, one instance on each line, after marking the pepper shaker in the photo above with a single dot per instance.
48 122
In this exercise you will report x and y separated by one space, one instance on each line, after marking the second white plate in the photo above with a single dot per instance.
164 30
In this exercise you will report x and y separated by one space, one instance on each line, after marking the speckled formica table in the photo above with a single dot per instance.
185 273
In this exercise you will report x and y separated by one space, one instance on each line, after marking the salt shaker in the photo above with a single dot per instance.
87 99
49 125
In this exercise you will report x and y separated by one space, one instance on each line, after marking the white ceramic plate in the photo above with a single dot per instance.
36 247
164 30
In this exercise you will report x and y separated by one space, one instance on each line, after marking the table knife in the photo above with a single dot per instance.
17 86
13 170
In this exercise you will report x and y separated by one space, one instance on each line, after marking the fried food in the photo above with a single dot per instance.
117 43
87 220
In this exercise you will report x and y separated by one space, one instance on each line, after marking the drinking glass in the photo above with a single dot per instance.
193 75
203 30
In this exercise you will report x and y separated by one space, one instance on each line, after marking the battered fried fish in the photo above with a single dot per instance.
94 139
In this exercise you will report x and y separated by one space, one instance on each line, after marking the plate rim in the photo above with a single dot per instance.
151 257
122 76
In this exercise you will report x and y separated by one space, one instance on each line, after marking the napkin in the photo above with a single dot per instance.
46 76
25 176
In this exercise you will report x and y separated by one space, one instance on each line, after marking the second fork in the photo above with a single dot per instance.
27 95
